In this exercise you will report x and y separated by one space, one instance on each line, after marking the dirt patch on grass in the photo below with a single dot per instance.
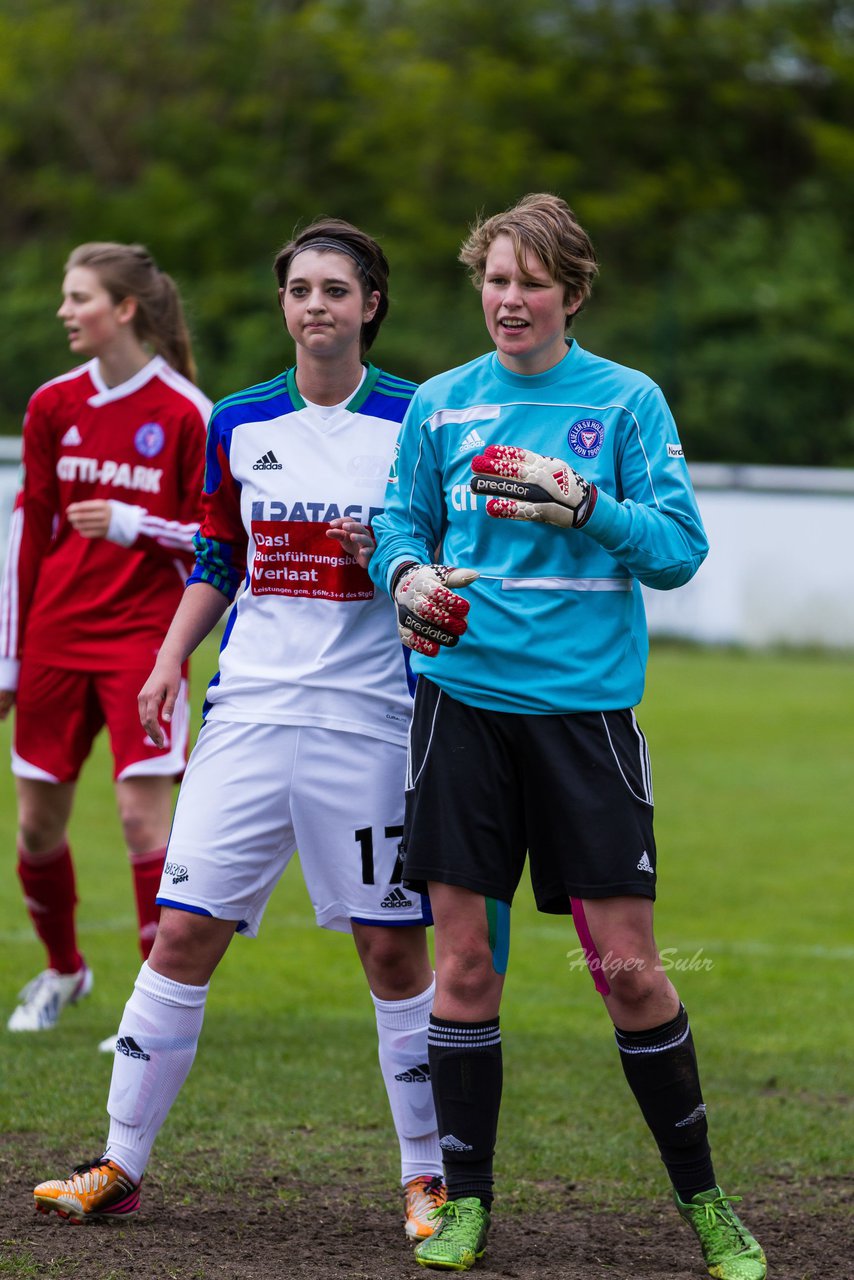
243 1234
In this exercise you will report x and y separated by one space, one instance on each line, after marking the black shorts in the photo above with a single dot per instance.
574 792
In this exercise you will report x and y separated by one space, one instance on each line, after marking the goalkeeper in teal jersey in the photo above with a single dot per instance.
549 484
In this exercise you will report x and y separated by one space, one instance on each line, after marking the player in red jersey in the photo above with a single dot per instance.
101 541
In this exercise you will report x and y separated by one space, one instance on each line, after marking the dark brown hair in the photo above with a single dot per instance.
372 267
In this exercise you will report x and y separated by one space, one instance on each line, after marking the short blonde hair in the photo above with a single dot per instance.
543 224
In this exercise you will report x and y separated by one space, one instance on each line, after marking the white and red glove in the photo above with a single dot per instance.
430 615
522 485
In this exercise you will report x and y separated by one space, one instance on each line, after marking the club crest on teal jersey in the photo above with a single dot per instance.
585 437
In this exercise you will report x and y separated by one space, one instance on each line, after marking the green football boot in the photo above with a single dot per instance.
460 1237
730 1251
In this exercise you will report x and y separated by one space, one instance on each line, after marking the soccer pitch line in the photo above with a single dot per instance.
711 947
127 924
706 947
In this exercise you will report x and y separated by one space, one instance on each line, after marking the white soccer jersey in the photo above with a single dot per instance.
309 639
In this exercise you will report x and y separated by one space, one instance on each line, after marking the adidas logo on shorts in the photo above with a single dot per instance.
645 864
397 898
268 462
415 1075
129 1047
450 1143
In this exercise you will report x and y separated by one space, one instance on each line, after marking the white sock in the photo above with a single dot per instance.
158 1035
402 1030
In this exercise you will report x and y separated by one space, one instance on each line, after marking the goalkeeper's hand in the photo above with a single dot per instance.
529 486
430 615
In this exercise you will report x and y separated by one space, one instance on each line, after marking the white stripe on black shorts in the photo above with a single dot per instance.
485 788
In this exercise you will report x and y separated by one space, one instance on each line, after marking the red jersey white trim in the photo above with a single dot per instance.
88 603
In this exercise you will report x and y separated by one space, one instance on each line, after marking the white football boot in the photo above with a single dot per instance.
43 1000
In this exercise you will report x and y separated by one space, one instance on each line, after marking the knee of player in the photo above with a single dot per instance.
468 976
396 961
141 833
39 834
634 982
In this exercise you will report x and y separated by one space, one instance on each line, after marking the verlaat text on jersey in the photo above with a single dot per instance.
284 575
120 475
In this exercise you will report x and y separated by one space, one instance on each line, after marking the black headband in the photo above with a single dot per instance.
339 246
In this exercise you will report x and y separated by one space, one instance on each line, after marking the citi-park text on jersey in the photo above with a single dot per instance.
118 474
315 512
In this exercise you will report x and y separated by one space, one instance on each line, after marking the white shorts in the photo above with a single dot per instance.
254 793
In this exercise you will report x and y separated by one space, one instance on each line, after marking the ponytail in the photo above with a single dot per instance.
128 270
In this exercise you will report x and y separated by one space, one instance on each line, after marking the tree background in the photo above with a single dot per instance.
707 147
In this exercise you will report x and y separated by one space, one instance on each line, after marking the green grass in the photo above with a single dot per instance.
752 764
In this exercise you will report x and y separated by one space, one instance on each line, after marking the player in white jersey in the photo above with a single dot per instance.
304 740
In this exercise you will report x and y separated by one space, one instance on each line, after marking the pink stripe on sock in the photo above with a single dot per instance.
591 955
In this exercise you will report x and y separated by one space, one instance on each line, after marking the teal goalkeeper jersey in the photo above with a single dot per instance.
557 621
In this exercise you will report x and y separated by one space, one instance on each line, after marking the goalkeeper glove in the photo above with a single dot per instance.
429 614
528 486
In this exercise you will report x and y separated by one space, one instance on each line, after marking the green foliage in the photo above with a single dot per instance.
707 148
753 914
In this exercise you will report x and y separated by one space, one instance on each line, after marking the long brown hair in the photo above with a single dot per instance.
128 270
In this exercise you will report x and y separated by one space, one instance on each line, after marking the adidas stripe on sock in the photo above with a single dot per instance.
466 1066
156 1045
402 1035
660 1066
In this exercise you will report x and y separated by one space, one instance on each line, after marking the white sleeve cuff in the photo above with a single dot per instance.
9 671
125 523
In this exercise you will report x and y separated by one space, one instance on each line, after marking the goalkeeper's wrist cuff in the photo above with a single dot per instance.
398 574
581 520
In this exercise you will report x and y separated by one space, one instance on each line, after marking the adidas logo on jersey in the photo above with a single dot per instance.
450 1143
472 441
645 864
72 436
129 1047
397 898
269 462
415 1075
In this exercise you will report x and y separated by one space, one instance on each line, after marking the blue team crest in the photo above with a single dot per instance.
585 437
149 439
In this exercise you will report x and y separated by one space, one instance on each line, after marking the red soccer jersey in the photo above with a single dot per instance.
90 603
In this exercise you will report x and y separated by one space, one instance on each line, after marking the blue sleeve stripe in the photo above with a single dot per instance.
253 395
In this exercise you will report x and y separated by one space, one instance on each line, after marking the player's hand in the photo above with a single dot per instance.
7 702
91 519
431 615
157 698
522 485
356 539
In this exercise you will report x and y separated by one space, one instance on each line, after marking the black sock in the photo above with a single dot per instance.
661 1068
465 1067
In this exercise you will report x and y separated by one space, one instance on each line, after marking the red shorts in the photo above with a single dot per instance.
59 713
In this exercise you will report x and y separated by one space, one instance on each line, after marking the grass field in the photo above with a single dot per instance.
752 759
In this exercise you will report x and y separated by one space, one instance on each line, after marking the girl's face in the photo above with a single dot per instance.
325 304
92 320
525 310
